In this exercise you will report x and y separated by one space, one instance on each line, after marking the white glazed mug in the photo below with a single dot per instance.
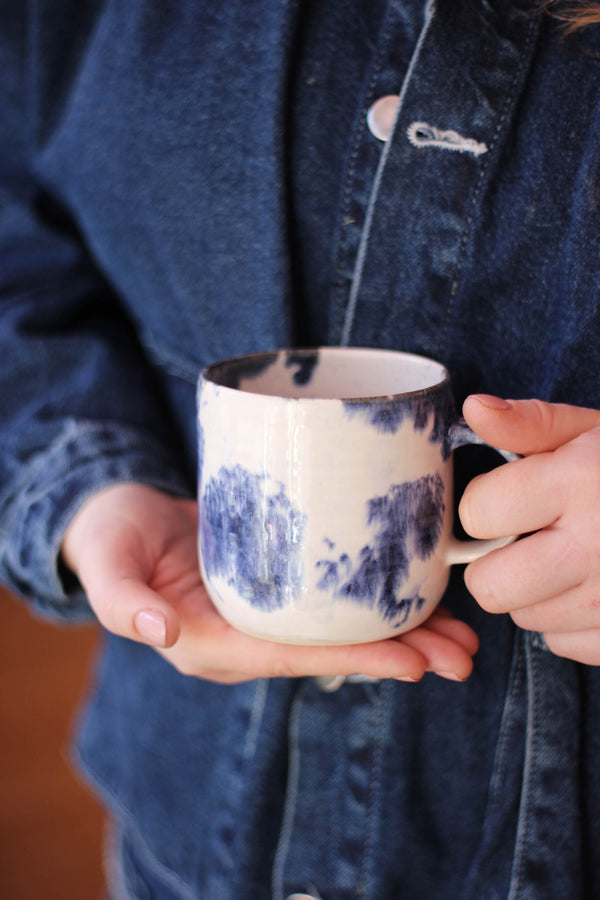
325 492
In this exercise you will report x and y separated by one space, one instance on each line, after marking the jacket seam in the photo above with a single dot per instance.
374 195
532 31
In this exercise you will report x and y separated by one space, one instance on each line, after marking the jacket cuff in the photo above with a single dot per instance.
85 458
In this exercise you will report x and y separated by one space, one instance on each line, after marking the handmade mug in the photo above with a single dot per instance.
325 492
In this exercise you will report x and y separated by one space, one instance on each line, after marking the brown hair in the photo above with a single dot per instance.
575 14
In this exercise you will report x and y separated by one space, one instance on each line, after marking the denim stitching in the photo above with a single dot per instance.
125 817
538 641
347 194
530 742
156 869
496 784
525 56
256 717
346 218
374 788
291 796
366 231
113 862
506 722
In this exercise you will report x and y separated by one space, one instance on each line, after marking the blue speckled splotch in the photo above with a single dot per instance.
232 372
306 361
388 413
251 538
200 446
404 523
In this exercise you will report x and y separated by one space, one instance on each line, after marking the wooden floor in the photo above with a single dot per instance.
50 825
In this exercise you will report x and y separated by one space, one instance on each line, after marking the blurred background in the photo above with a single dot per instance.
51 827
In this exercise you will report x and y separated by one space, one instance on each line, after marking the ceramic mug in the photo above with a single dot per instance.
325 492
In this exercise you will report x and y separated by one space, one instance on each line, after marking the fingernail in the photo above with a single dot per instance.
151 624
491 402
451 676
406 678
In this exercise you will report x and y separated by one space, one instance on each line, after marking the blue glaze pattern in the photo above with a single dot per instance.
404 523
251 538
306 362
200 450
388 413
233 371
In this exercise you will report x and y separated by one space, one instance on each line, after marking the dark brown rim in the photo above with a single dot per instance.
205 373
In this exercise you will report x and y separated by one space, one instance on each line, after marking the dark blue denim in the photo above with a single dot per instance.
181 182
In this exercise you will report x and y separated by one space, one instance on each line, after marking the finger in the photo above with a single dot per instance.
581 646
203 656
441 611
126 606
443 654
527 426
526 573
443 623
380 659
516 498
207 641
574 610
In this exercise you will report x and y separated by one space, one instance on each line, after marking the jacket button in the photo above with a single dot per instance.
382 115
301 897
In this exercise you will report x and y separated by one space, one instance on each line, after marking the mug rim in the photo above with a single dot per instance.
205 376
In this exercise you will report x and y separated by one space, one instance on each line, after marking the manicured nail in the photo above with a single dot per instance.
491 402
151 624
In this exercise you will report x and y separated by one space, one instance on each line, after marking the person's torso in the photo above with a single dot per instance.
218 160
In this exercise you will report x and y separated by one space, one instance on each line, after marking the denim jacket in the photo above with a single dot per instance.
181 182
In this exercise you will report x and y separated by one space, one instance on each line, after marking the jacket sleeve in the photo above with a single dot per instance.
80 405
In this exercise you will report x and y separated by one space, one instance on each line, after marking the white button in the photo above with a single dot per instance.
329 684
382 115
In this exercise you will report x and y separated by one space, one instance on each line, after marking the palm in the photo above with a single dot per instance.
135 548
175 574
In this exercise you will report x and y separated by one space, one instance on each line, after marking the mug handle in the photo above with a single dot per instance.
460 435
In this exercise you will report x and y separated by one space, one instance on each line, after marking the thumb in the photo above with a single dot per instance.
114 544
131 609
125 604
527 426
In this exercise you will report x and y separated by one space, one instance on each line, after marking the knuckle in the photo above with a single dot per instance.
479 582
185 667
544 412
107 612
581 459
284 669
523 619
186 664
557 644
467 511
567 555
543 417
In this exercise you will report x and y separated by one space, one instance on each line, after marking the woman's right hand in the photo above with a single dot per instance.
134 550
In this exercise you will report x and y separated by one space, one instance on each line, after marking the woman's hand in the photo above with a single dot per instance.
549 581
134 551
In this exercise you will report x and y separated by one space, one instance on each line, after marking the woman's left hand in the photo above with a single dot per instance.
549 580
134 550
